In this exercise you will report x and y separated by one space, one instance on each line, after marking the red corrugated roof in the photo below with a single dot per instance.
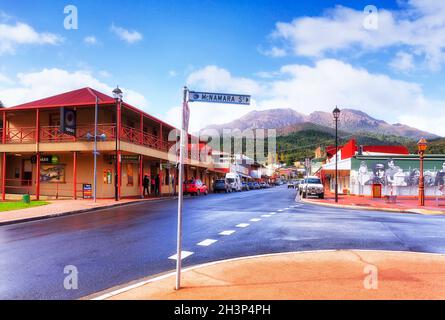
387 149
84 96
76 98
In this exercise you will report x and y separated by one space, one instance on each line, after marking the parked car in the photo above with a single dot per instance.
263 185
311 186
291 184
256 185
250 185
221 185
244 185
234 181
195 187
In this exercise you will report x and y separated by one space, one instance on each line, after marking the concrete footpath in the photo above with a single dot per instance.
57 208
402 205
344 274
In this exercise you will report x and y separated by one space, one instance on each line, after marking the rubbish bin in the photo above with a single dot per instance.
26 198
376 190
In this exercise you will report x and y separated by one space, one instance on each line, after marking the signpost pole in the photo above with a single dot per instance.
183 136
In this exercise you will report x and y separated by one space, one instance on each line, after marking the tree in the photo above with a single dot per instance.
1 104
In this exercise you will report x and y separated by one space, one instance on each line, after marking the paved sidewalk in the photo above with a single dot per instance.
341 274
63 207
407 205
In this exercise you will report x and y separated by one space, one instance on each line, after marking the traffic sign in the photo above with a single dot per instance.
219 98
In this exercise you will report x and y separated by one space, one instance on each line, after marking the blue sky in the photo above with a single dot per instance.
284 53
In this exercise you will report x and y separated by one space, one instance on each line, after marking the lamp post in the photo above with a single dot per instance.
117 94
422 145
336 114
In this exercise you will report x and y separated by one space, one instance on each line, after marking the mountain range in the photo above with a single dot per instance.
286 121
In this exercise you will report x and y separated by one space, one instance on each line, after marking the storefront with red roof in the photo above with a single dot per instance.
39 158
382 170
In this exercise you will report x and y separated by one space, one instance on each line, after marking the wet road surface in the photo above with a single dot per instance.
114 246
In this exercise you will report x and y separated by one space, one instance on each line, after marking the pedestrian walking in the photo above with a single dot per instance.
153 185
157 185
173 185
146 184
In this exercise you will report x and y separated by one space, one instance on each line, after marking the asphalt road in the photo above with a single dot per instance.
114 246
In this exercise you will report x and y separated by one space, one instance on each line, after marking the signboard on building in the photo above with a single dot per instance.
133 158
46 159
68 121
87 191
219 98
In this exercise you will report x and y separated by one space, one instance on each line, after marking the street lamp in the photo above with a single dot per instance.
421 146
117 95
336 114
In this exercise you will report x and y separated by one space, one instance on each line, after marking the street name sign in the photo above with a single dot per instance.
219 98
194 96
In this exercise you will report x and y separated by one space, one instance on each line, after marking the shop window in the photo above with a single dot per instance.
52 173
108 178
54 119
130 178
26 172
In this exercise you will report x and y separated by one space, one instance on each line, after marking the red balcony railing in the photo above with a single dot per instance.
54 134
21 135
85 133
144 138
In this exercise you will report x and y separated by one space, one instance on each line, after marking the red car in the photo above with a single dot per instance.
195 187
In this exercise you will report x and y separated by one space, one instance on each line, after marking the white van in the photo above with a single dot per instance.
234 181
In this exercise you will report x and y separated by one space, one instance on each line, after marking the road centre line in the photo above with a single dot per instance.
242 225
207 242
184 254
227 232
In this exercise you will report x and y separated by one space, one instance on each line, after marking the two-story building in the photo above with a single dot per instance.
38 158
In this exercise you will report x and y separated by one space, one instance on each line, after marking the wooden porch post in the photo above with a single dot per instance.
118 159
141 127
4 177
75 175
37 154
141 175
4 159
161 142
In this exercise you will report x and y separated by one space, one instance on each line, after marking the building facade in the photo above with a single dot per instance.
391 168
39 158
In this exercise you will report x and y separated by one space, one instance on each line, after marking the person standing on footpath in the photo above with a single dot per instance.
146 184
157 185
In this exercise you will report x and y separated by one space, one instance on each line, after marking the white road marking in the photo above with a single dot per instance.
227 232
242 225
255 220
266 216
207 242
280 210
184 254
272 213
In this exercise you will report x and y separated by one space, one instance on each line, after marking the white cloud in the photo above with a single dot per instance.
329 82
91 40
4 79
274 52
403 62
126 35
420 27
319 87
13 35
217 79
48 82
